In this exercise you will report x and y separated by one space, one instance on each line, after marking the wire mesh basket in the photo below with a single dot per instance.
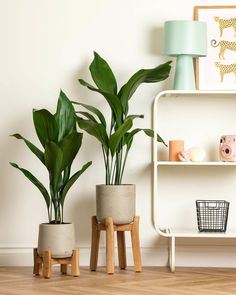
212 216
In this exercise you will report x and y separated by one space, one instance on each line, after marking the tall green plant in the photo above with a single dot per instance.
61 143
116 138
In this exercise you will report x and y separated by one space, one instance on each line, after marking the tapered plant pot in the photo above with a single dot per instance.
58 238
116 201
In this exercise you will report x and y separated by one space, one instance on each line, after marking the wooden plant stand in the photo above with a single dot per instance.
109 228
46 261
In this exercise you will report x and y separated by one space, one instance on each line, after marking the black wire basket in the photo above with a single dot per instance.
212 216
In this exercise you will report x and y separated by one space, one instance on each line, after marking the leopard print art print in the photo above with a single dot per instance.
217 71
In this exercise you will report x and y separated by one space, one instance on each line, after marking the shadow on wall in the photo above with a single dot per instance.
156 39
83 206
79 93
80 212
9 152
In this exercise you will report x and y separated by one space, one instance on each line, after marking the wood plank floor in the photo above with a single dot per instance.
153 280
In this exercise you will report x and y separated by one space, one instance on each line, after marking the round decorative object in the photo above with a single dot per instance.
197 154
184 156
58 238
228 148
116 201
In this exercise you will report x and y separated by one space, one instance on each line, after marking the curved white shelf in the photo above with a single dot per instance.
194 233
168 163
195 104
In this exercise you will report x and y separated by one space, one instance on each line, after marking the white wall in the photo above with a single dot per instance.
47 45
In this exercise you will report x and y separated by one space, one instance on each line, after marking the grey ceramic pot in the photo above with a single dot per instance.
58 238
116 201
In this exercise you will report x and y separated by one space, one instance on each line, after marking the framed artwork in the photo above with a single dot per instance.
217 71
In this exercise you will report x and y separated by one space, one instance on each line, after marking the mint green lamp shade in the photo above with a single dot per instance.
185 39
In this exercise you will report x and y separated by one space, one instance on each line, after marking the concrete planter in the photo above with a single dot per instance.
58 238
116 201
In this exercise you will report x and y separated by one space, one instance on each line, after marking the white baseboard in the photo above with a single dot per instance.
186 255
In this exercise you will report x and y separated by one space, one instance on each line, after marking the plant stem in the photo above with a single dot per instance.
110 171
119 159
50 218
62 214
124 162
113 172
108 167
105 162
117 168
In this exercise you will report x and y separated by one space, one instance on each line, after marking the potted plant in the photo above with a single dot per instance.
60 142
116 138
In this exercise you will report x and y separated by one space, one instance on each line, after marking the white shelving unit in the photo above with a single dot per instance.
211 114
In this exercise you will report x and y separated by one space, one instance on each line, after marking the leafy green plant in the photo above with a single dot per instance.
116 138
61 143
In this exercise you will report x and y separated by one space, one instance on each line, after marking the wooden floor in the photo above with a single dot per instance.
153 280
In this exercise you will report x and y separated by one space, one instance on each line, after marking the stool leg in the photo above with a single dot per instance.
94 245
64 269
136 245
75 263
109 245
47 264
121 249
37 264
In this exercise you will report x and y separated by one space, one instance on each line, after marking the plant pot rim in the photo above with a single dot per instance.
112 185
64 223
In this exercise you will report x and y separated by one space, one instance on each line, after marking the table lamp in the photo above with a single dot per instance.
185 39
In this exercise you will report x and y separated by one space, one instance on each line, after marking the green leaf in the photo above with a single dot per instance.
112 99
45 126
118 135
102 74
38 153
53 161
95 111
65 116
135 116
95 129
66 174
88 116
72 180
36 182
70 146
129 137
142 76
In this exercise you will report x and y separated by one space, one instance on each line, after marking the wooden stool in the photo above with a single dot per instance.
109 227
46 261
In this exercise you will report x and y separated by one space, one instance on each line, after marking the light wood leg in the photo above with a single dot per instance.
172 254
47 264
109 245
121 249
136 245
37 263
75 263
94 245
64 269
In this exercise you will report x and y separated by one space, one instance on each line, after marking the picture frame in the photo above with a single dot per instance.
217 71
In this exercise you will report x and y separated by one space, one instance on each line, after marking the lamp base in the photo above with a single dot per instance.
184 73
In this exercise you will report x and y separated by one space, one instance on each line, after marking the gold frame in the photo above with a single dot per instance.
195 17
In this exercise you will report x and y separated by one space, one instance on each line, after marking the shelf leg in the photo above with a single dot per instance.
172 254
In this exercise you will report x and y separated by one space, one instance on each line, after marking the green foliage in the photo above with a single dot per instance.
61 143
117 138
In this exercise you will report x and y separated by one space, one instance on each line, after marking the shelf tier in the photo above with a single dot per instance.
194 233
168 163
